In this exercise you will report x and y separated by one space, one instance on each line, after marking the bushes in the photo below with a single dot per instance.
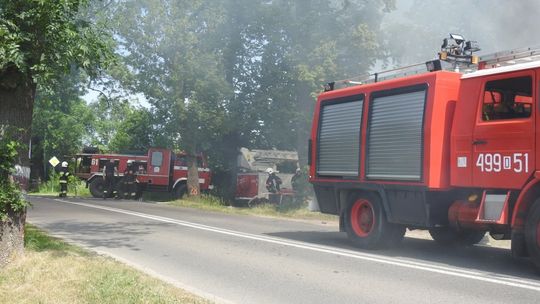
11 199
12 204
76 186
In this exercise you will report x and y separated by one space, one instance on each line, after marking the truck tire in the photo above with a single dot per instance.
179 191
366 224
532 233
518 245
120 187
451 237
96 187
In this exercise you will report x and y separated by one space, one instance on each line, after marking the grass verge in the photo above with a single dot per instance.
52 188
285 210
52 271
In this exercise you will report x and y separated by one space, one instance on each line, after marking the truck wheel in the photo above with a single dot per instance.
96 187
532 233
518 245
179 191
450 237
366 224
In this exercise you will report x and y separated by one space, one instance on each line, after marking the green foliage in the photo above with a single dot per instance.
76 187
173 63
216 75
45 39
120 126
134 132
11 199
223 74
61 118
8 155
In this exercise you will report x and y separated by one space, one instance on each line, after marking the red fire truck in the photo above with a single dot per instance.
252 176
161 170
452 152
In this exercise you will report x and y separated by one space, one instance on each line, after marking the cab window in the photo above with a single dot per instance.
509 98
157 159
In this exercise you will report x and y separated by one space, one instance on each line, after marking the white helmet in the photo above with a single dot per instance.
64 164
269 170
129 161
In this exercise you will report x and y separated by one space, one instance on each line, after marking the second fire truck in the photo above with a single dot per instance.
160 170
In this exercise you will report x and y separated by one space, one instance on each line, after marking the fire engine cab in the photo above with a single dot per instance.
160 170
452 150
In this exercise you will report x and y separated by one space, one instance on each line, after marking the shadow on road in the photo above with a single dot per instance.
99 234
481 258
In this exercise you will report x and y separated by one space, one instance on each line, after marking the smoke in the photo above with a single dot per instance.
414 31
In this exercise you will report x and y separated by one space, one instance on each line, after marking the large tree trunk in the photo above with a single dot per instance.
193 186
12 237
17 92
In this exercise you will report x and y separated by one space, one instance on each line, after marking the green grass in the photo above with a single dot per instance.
52 188
53 271
285 210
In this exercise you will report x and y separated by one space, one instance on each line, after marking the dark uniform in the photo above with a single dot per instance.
296 180
64 173
273 183
129 186
108 187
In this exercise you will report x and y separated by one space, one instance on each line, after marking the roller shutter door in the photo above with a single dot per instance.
339 138
395 137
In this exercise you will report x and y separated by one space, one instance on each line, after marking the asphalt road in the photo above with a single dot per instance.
243 259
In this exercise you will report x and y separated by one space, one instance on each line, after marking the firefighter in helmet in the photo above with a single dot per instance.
273 182
64 173
129 186
109 172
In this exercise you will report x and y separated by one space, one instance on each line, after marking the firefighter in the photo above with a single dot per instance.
296 180
298 183
129 186
64 173
109 172
273 182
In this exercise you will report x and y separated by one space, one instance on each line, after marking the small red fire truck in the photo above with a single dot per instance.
252 175
161 170
452 152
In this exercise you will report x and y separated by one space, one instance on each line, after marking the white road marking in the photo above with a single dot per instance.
451 271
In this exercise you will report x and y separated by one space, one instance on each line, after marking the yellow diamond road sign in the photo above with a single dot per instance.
54 161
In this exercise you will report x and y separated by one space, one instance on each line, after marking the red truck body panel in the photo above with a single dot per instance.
442 93
159 168
509 143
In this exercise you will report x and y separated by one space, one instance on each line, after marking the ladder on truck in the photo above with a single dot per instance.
511 57
463 63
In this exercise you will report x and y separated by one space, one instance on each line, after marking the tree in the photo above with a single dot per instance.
61 122
169 48
229 73
40 41
135 132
